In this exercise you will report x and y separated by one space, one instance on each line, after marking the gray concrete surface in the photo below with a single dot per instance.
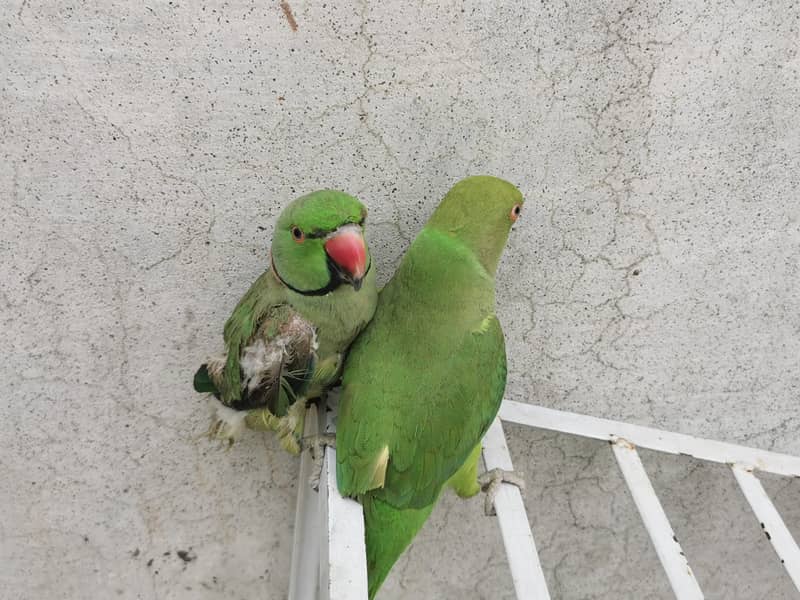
148 146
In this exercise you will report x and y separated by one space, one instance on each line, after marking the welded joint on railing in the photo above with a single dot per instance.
622 442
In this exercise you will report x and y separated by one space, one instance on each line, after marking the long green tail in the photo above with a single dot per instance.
388 531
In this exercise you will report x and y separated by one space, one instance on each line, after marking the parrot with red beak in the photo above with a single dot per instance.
286 338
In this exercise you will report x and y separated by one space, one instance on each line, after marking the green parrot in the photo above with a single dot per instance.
425 379
285 341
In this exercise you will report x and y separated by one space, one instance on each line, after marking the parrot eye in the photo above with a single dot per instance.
298 234
516 211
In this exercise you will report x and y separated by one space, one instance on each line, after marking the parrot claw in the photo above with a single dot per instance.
316 444
261 419
290 428
227 424
289 442
490 483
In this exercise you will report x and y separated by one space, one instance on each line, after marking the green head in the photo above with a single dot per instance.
479 211
318 243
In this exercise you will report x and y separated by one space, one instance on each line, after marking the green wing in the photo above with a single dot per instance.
260 317
408 427
262 296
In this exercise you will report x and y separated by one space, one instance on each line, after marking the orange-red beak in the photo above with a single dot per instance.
347 250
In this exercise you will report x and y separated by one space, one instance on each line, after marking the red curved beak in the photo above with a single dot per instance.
347 250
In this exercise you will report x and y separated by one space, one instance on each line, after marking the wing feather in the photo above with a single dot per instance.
428 438
270 351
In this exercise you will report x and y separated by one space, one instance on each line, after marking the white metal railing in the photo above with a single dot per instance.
334 568
331 565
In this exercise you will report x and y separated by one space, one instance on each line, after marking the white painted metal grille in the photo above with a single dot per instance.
332 566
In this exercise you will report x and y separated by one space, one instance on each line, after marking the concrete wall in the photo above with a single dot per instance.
148 146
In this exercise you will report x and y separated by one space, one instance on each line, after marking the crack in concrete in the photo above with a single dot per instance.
166 176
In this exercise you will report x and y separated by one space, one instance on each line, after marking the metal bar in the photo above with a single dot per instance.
526 571
305 551
771 521
655 520
343 556
647 437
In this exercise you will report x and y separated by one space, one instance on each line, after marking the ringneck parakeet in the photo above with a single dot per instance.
425 379
285 340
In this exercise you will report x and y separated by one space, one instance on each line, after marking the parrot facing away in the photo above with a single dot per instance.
425 379
286 338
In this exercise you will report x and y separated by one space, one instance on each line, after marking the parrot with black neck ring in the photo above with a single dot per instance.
286 338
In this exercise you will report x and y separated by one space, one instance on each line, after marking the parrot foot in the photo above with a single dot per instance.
288 439
490 483
286 427
227 424
317 444
290 428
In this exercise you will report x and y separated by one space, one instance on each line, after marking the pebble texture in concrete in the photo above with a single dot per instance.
148 146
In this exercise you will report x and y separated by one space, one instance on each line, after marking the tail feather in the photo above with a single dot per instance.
203 382
388 532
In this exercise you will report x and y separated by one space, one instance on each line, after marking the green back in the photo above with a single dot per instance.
426 377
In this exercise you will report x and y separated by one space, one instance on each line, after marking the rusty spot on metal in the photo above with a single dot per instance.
287 10
618 441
